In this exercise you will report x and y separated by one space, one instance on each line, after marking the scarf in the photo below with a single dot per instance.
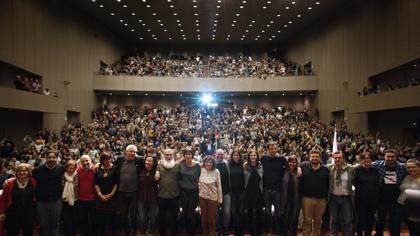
68 191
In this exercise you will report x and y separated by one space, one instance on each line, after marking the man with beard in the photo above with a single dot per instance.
48 194
128 167
391 174
314 185
168 175
87 196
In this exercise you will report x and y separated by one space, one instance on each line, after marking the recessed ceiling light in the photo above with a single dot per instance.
195 6
268 25
249 94
93 0
179 25
198 30
270 39
132 30
283 94
153 35
143 24
110 94
266 94
244 2
241 6
184 39
242 39
228 35
264 7
147 5
299 16
175 14
198 36
170 38
165 30
148 30
212 39
146 94
101 5
169 0
126 24
233 25
213 36
196 21
128 94
258 36
155 38
262 31
317 3
268 2
285 26
234 21
158 20
217 14
278 31
144 0
243 36
195 14
133 14
171 6
140 20
163 94
112 13
250 25
273 36
253 21
177 20
161 24
154 13
300 94
309 8
246 31
197 25
237 14
218 6
293 2
271 22
214 30
181 30
183 35
214 25
278 15
124 5
227 38
215 21
121 21
141 38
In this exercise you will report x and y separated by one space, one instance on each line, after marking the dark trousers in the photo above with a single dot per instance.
272 198
290 222
255 220
189 202
147 216
108 220
69 216
393 209
20 219
365 217
237 206
413 227
168 213
86 216
128 212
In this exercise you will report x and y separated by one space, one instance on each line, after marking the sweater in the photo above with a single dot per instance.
169 181
210 186
6 196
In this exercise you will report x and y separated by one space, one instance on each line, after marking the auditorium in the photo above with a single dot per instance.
210 117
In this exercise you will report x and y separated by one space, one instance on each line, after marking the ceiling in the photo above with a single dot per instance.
208 21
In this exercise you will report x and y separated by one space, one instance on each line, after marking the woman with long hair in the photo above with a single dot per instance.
253 194
237 188
19 202
290 201
148 189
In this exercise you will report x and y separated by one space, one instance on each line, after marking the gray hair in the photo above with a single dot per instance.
131 147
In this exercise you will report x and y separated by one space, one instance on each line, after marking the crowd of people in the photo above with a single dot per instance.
234 164
379 88
216 66
28 84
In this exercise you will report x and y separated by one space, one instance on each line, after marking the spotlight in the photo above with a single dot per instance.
206 99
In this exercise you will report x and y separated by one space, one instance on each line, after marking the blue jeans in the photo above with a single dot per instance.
272 198
341 210
223 215
49 217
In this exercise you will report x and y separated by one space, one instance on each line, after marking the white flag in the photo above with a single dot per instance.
335 145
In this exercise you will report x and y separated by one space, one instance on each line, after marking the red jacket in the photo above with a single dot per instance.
6 197
86 184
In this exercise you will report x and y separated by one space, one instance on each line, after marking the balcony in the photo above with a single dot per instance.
22 100
395 99
110 83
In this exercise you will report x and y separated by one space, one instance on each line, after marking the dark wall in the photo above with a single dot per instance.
16 124
400 125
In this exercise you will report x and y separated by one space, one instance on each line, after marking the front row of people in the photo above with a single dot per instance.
238 189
